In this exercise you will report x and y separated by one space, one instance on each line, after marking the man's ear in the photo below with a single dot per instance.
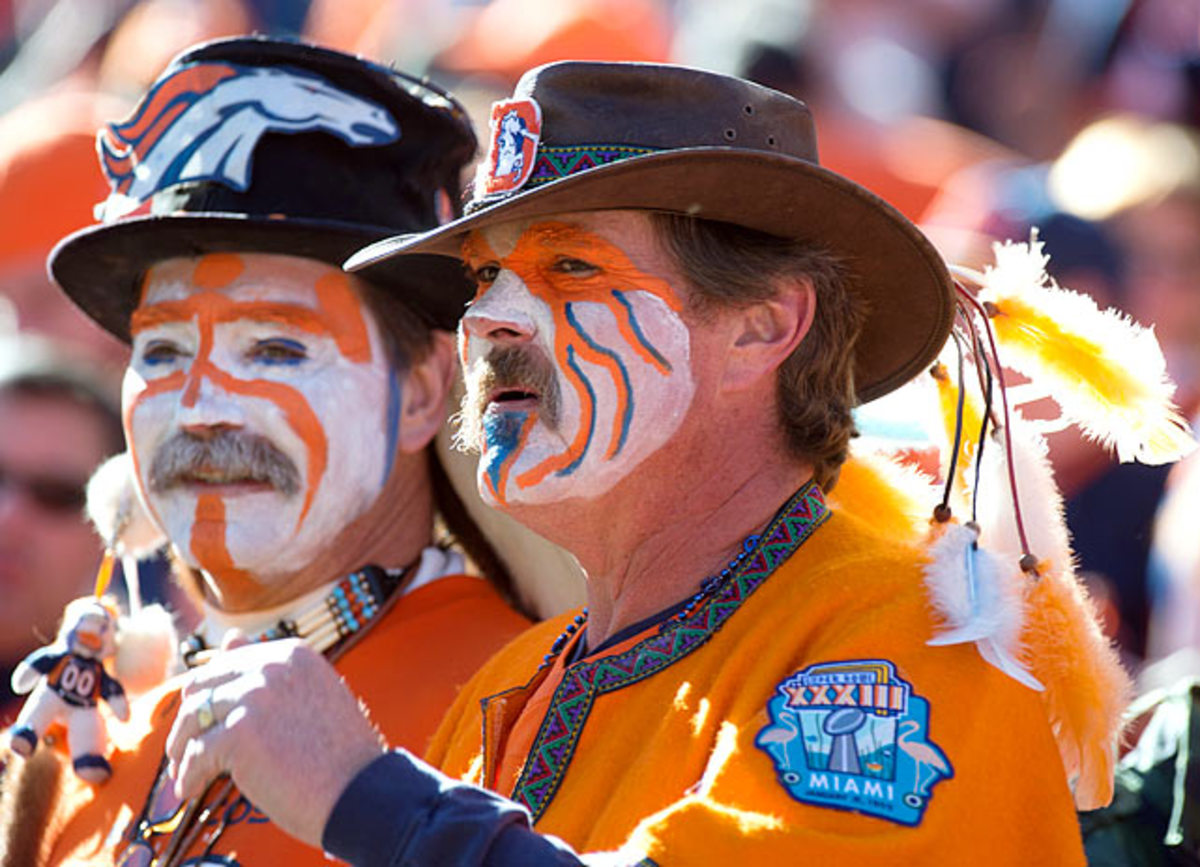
767 332
423 392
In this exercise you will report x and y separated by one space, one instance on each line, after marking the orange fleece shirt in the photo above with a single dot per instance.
406 669
813 722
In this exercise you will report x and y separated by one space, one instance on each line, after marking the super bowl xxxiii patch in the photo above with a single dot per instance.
853 735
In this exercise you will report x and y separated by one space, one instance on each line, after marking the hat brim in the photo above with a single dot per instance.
101 268
909 293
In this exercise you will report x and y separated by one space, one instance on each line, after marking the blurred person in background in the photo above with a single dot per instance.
48 187
57 423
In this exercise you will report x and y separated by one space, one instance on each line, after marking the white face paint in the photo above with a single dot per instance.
609 342
269 348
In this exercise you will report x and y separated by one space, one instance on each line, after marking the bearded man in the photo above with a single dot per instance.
278 411
677 309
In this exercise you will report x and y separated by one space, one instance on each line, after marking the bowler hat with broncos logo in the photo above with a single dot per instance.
263 145
584 136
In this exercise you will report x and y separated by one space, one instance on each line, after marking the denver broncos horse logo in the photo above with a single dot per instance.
204 121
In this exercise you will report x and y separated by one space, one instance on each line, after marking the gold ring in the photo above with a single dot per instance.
206 716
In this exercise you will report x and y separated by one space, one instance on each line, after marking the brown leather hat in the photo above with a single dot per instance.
582 136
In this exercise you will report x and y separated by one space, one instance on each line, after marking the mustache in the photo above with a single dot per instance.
511 367
225 456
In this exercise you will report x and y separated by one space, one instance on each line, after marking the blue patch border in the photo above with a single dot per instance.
908 805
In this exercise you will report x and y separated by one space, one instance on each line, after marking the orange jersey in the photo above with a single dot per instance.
406 669
800 714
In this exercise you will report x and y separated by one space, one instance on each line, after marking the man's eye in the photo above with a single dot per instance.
279 350
161 352
487 274
577 267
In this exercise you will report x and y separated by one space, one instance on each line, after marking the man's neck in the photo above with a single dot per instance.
648 545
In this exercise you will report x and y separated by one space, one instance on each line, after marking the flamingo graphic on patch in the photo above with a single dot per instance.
203 123
854 736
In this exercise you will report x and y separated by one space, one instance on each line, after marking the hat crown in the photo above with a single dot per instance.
666 107
594 113
277 129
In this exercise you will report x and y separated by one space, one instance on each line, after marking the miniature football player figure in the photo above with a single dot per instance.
68 680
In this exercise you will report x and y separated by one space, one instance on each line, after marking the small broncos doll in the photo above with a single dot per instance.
68 678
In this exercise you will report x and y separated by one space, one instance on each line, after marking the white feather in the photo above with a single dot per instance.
1040 500
116 511
147 645
979 600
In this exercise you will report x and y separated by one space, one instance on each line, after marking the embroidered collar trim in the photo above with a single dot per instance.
582 682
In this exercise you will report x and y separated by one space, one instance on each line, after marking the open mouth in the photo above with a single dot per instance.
512 398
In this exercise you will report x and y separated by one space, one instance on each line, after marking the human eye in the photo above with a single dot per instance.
158 352
486 275
278 350
574 267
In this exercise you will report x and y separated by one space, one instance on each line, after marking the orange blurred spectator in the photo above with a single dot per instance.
48 187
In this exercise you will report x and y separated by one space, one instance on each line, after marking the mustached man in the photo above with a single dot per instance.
279 414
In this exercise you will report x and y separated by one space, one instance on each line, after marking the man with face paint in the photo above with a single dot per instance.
279 413
676 310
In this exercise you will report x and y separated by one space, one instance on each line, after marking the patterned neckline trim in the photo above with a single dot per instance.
554 745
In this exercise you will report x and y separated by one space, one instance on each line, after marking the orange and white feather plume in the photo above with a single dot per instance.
1106 372
1006 579
147 641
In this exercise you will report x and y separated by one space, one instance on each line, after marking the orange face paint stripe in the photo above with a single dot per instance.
209 546
344 313
300 418
220 309
587 353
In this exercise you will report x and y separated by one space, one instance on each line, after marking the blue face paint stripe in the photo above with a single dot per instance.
393 423
628 416
570 468
501 432
637 329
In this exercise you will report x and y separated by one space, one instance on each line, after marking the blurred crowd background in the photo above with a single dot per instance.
978 118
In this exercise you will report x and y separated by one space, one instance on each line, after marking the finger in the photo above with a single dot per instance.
188 723
201 763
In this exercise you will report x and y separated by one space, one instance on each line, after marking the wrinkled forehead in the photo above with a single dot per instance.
249 277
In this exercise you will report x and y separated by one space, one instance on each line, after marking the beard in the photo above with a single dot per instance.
227 456
516 368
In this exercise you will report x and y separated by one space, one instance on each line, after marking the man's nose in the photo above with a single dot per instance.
504 313
206 408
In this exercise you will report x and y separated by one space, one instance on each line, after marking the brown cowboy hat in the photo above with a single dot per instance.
687 141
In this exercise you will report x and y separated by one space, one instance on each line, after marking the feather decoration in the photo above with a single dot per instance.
979 600
1086 689
946 378
1106 372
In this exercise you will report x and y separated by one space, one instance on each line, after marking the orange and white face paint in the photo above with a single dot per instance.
601 375
278 356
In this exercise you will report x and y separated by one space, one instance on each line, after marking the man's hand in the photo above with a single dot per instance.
279 720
